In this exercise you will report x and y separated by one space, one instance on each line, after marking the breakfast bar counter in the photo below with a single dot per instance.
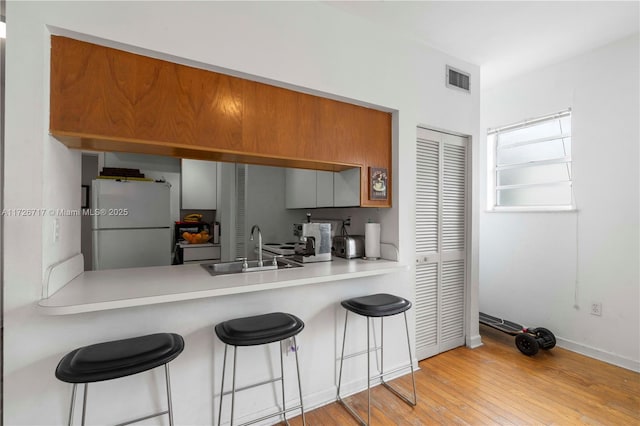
123 288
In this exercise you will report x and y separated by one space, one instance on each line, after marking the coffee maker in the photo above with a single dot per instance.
317 239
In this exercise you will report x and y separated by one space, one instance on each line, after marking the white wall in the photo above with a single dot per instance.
312 45
528 260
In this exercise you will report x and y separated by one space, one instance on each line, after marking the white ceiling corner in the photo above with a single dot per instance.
505 38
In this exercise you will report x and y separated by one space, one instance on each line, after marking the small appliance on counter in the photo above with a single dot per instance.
348 246
317 242
195 228
282 249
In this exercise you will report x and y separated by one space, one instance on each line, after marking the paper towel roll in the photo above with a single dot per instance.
372 240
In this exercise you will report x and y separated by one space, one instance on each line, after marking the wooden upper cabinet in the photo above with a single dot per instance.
278 121
183 105
92 89
111 100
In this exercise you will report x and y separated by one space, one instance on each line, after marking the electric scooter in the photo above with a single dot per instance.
528 340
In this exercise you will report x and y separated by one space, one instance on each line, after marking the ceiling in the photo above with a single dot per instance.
505 38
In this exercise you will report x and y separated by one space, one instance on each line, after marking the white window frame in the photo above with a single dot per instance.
492 169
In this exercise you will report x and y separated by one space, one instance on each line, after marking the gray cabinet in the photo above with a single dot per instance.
324 189
346 188
300 188
310 188
199 185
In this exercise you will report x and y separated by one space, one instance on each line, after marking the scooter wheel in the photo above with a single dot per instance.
546 338
527 344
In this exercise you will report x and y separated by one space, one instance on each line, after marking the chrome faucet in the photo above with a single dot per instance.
260 264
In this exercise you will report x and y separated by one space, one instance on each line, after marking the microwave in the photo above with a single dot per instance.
196 227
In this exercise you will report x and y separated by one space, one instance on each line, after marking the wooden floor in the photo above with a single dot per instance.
496 385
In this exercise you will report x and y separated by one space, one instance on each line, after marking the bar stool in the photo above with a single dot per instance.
253 331
376 305
119 358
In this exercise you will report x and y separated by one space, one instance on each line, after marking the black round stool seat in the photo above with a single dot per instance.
119 358
377 305
259 329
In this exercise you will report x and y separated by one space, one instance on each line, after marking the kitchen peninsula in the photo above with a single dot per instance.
355 106
124 288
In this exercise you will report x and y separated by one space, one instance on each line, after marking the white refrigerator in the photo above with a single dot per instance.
131 224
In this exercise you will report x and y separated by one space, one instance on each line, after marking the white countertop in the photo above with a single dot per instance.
122 288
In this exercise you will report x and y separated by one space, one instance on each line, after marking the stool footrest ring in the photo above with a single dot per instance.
139 419
352 411
386 385
266 382
397 393
268 416
395 370
362 352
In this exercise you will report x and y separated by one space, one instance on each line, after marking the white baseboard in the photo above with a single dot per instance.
474 341
599 354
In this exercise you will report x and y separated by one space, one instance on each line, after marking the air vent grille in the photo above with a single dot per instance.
458 79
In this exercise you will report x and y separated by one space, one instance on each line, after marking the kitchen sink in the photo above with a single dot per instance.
235 267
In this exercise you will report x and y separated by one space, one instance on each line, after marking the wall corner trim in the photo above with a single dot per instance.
474 342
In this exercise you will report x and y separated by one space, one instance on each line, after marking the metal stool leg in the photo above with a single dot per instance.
413 377
234 389
233 382
340 400
169 405
224 365
391 388
73 403
295 343
84 402
381 370
368 374
169 410
344 338
381 347
284 409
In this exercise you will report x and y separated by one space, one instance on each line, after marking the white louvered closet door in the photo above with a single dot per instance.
441 167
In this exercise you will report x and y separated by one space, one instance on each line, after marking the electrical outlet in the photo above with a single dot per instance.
56 230
596 308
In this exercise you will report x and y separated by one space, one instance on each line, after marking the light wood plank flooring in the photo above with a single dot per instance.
496 385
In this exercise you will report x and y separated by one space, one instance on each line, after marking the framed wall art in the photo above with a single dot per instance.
378 183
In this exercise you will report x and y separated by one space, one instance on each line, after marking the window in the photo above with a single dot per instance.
530 164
